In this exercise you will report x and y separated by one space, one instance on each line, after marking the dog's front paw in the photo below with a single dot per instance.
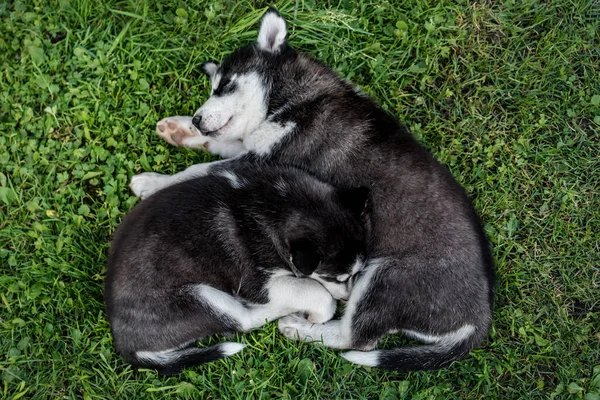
147 183
176 130
325 312
294 327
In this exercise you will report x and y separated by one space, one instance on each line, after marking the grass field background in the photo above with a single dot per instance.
507 94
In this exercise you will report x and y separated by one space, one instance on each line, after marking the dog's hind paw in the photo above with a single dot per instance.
294 327
176 130
148 183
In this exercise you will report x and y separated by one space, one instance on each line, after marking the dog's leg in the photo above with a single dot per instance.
148 183
346 333
179 131
286 295
334 334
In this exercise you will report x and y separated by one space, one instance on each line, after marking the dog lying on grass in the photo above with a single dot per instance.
429 271
228 252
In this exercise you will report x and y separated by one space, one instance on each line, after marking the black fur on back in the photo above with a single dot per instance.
231 237
438 273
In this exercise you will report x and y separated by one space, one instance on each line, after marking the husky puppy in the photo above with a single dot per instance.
225 253
428 272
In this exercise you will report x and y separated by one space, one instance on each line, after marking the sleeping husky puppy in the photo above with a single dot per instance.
225 253
428 273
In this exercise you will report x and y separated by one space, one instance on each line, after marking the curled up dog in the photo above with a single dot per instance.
428 273
226 253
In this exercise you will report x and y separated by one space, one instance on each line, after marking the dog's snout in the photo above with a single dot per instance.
196 121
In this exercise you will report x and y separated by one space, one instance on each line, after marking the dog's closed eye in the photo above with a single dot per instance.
227 85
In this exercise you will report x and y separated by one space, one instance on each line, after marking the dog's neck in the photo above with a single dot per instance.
317 81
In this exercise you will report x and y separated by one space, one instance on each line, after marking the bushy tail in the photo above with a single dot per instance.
170 362
409 358
435 355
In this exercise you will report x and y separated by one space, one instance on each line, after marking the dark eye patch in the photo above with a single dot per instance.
229 88
225 86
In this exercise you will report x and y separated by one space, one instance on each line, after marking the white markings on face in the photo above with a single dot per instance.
217 81
268 134
214 82
233 179
234 115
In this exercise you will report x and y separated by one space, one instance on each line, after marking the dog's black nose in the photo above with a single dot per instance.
196 122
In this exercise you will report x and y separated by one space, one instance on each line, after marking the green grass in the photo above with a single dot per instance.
506 94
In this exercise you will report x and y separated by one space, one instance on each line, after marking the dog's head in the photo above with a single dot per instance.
329 242
241 84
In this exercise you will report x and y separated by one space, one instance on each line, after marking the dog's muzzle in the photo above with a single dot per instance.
197 122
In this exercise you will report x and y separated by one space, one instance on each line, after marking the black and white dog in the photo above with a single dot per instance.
428 273
227 252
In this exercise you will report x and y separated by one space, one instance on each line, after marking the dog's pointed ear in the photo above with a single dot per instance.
209 68
303 257
272 32
355 199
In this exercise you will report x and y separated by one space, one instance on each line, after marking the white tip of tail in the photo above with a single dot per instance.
230 348
368 358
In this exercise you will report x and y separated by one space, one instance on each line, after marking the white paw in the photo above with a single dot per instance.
325 313
147 183
196 142
294 327
176 130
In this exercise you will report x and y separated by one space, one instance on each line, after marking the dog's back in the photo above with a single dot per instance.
433 271
218 254
430 272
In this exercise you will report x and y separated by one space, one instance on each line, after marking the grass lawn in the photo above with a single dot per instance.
507 94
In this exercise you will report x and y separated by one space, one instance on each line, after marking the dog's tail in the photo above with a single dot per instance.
430 356
170 362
